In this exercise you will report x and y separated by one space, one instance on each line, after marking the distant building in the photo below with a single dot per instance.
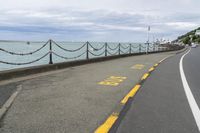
197 32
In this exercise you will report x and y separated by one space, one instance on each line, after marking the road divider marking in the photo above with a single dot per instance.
191 100
151 69
145 76
111 120
130 94
112 81
138 66
156 65
105 127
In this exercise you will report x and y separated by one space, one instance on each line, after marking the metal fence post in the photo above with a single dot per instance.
87 50
130 48
147 48
119 48
50 52
106 50
139 48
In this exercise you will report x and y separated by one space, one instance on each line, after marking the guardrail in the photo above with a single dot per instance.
106 49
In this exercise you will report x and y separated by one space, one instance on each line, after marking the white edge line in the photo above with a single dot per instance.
192 102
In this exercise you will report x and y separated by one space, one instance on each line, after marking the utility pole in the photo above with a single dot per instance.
147 44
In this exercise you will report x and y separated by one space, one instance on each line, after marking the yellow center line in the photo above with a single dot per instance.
151 69
105 127
156 65
130 94
145 76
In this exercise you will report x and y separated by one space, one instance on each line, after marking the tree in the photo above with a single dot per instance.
194 37
186 40
198 40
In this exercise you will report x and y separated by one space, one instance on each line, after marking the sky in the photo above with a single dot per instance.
97 20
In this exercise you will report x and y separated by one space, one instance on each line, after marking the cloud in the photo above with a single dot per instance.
97 20
182 25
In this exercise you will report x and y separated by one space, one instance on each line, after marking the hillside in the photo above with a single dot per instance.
189 37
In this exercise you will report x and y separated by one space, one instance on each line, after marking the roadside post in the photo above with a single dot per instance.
50 52
87 50
106 49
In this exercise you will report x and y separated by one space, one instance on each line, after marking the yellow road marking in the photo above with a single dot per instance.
115 77
130 94
112 81
145 76
108 83
105 127
138 66
151 69
156 65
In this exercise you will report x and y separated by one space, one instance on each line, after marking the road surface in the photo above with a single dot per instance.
76 99
164 103
79 99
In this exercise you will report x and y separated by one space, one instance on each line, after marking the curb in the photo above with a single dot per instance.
9 102
112 122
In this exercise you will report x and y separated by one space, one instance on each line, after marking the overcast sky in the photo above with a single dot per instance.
97 20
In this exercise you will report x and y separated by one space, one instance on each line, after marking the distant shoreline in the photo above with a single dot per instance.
68 41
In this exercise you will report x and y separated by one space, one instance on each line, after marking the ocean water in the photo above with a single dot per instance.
23 47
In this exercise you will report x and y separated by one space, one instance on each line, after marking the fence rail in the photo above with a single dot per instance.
89 50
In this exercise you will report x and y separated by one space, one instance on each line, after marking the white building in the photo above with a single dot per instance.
197 32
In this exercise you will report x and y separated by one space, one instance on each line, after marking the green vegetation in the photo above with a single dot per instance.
189 37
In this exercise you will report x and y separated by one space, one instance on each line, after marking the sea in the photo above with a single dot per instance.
24 47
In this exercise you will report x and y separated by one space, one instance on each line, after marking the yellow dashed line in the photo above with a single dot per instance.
130 94
105 127
145 76
151 69
156 65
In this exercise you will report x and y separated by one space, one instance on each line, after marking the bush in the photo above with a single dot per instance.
198 40
194 37
186 40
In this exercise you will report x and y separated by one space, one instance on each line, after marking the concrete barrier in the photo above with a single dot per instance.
20 72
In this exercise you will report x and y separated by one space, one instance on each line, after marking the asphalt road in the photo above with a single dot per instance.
161 106
76 99
6 91
191 65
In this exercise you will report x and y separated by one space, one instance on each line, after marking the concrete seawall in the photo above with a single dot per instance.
20 72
